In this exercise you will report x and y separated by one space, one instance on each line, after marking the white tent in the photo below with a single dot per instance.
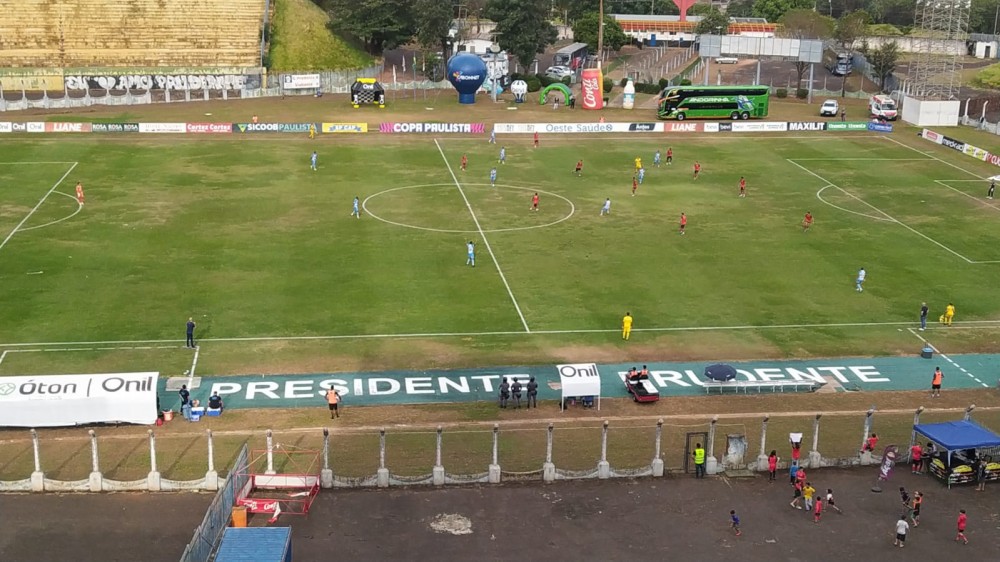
579 380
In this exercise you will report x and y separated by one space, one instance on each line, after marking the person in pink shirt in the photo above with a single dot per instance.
772 466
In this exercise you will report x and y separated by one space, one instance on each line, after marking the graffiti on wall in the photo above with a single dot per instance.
162 82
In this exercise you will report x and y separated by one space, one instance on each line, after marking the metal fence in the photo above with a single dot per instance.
208 533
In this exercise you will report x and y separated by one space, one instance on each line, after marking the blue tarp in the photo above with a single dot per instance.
958 435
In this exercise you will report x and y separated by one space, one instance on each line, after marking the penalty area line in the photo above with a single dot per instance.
37 205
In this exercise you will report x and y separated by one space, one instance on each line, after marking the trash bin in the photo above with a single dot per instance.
240 516
168 415
927 352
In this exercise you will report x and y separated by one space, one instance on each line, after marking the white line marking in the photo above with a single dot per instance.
980 324
39 204
194 365
483 235
4 354
820 197
860 159
887 215
79 207
17 163
931 156
945 357
973 197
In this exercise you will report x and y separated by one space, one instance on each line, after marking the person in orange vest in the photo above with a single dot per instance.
936 383
79 192
333 400
254 119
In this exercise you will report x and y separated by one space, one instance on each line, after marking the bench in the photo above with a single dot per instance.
760 386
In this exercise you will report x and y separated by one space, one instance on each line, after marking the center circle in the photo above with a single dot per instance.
567 216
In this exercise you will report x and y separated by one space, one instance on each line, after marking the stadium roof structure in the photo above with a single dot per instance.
637 23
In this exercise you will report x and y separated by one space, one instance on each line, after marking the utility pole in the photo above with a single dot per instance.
600 30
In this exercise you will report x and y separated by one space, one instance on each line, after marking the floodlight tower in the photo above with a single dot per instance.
936 74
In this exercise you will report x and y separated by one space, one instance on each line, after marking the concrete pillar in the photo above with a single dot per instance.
762 456
37 477
657 465
548 469
815 459
494 469
867 457
326 474
711 464
913 434
211 476
968 412
604 467
437 473
96 478
153 479
382 475
270 453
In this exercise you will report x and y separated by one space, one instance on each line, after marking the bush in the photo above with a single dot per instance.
566 80
685 82
534 84
781 93
641 88
608 85
663 83
623 82
544 80
802 93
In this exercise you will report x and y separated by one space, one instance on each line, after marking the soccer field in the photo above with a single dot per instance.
248 240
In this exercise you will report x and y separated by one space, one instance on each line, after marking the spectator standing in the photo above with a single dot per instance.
923 316
190 333
515 391
818 511
185 402
980 467
333 402
504 392
772 466
918 501
901 528
807 494
793 472
961 527
916 458
936 383
532 392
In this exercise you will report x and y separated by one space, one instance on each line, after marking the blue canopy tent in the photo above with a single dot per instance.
962 442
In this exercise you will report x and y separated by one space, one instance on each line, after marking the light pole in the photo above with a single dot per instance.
600 30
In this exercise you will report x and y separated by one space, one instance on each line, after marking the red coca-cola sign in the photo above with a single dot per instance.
591 86
209 127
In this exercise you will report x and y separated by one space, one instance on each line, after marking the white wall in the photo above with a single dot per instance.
931 113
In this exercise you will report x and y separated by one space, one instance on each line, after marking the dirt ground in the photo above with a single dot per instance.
100 527
677 518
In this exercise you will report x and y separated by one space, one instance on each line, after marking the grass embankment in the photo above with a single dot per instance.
300 40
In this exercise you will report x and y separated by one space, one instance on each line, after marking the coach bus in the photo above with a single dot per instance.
713 102
574 56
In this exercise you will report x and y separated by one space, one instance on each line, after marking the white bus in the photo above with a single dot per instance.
574 56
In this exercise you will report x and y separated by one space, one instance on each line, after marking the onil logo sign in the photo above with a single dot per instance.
578 370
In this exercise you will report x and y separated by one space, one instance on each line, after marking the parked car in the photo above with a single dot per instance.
830 108
558 72
727 60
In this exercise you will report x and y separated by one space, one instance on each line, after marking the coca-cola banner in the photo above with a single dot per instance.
591 82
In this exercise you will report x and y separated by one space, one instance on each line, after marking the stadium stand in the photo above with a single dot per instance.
147 33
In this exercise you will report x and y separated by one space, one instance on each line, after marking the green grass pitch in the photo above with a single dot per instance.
251 242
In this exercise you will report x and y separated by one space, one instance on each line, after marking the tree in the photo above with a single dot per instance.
432 19
379 24
713 22
850 27
805 24
740 9
522 26
473 9
883 62
585 31
772 10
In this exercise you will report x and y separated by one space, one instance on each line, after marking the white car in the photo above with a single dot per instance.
558 72
727 60
830 108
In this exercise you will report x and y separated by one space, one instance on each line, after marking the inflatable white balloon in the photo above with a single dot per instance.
520 89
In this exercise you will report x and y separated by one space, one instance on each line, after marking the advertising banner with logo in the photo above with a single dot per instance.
577 128
344 127
953 144
66 400
931 136
580 380
35 127
432 128
208 128
162 127
60 127
6 127
272 127
880 127
806 126
888 462
300 81
847 126
760 127
975 152
114 127
591 83
683 127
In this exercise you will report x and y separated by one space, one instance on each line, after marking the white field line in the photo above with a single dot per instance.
4 354
973 197
79 207
819 195
931 156
880 211
863 159
39 204
194 365
482 234
133 344
946 358
32 163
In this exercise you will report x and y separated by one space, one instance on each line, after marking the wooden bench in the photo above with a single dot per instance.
760 386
